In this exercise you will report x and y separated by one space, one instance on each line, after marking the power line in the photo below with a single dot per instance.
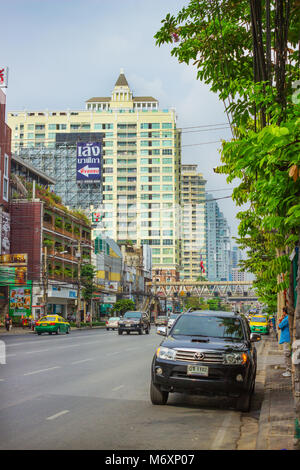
217 199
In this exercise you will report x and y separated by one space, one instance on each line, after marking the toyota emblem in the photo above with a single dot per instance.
199 356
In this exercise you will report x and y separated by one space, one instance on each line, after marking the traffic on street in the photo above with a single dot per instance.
91 390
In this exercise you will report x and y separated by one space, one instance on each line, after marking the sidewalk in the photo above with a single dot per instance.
21 331
276 423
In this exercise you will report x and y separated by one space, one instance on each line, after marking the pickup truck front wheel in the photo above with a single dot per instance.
157 396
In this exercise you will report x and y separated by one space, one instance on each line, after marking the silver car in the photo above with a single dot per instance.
112 323
172 319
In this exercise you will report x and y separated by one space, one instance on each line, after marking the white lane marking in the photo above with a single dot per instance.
10 355
80 362
41 370
218 441
56 338
117 388
1 380
58 414
113 354
38 351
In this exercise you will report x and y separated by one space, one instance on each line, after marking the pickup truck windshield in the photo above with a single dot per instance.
132 315
211 326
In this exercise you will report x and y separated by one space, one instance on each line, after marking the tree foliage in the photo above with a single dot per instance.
247 51
87 274
123 305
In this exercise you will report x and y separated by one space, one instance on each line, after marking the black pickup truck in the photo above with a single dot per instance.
134 321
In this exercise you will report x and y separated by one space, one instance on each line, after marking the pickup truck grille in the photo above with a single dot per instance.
186 355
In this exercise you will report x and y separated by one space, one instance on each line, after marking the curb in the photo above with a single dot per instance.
276 420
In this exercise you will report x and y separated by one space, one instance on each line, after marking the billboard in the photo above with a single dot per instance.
89 161
4 232
20 300
13 275
3 77
13 269
14 259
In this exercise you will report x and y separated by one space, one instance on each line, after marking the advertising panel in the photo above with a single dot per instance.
13 269
5 232
13 275
3 77
20 300
89 160
109 299
14 259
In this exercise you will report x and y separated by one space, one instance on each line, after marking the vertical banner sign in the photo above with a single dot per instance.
3 77
20 300
89 156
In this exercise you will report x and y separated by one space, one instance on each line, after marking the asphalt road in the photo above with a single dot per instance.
90 390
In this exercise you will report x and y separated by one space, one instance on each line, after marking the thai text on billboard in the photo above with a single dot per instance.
89 159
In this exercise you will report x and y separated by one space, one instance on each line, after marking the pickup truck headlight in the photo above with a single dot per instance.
166 353
235 358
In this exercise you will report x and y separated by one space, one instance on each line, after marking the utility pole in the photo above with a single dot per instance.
78 314
45 280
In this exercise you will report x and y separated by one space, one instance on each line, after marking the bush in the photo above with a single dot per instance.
95 323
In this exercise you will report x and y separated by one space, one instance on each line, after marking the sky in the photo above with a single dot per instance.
62 52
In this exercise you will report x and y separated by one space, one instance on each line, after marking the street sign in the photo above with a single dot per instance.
89 160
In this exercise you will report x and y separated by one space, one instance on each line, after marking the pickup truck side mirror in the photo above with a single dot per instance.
254 337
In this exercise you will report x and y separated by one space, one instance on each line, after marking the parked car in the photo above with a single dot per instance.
134 321
52 324
206 353
172 318
112 323
259 324
161 320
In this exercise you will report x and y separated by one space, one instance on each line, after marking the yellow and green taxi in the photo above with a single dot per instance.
52 324
259 324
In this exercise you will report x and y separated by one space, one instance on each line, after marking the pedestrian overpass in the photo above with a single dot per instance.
232 291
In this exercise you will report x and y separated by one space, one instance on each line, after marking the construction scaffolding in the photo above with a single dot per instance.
60 163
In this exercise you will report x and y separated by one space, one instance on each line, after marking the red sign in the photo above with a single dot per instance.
3 77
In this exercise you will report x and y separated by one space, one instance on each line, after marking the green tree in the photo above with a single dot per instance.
248 52
123 305
87 275
196 303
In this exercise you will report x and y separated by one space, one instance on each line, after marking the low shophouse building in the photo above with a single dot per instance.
57 241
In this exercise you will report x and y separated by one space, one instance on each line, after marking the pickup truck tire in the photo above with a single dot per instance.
244 402
157 396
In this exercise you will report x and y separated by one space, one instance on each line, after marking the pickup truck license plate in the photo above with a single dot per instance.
197 370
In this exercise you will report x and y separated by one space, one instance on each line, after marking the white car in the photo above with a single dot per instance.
113 323
172 319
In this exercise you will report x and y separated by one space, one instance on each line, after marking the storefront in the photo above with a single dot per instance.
61 301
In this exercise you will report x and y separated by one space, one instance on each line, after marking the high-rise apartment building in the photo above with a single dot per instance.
140 190
218 242
193 243
235 258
